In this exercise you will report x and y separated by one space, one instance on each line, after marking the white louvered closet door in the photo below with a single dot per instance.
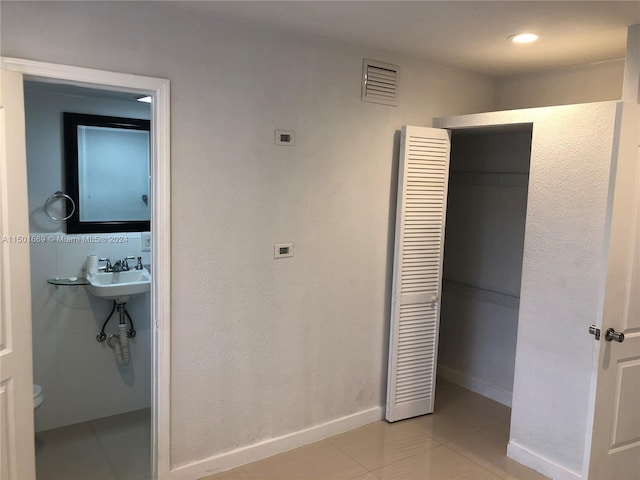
417 271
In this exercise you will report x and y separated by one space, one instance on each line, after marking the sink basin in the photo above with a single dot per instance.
119 286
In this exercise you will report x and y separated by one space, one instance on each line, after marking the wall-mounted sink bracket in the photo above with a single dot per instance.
118 282
122 312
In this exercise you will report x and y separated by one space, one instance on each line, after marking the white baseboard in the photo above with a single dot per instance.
273 446
539 463
475 385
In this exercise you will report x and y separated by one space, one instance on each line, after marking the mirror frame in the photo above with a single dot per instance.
71 121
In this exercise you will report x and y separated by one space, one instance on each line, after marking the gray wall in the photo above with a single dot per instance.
596 82
262 348
483 260
259 348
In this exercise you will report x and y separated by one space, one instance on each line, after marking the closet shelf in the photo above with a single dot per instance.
499 298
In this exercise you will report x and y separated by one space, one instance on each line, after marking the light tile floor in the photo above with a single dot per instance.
112 448
465 439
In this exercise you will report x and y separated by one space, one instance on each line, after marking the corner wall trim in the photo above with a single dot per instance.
539 463
273 446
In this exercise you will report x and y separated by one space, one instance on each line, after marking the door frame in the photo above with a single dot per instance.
159 90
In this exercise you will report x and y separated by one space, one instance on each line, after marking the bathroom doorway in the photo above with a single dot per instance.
483 254
159 260
92 377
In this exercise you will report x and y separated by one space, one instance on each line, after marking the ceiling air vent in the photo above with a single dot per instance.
379 82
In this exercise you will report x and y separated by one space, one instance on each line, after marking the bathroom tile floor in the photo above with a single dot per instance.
111 448
465 439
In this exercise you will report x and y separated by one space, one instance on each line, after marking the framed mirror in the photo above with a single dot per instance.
107 173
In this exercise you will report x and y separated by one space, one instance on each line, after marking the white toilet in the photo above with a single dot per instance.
38 396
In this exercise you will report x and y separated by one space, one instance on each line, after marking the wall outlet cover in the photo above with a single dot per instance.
285 137
282 250
145 241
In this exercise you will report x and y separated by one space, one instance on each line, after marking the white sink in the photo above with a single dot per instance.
119 286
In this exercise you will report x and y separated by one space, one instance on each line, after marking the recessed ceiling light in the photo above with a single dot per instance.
144 99
523 38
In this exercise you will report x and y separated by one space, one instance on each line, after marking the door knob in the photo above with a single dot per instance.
611 334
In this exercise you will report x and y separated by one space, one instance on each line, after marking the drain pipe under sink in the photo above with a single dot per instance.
119 342
120 345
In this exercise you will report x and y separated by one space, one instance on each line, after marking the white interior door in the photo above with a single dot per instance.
17 459
417 271
615 445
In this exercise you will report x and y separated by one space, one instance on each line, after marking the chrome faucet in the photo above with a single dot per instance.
125 263
122 265
108 267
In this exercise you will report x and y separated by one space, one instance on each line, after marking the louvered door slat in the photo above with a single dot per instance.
417 275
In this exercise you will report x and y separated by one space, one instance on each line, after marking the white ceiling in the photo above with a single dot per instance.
466 34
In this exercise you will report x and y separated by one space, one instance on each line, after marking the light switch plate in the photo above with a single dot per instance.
282 250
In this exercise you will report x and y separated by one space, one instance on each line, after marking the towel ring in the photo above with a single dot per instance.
54 197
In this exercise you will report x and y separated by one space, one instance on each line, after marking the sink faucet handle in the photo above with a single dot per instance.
125 263
108 267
